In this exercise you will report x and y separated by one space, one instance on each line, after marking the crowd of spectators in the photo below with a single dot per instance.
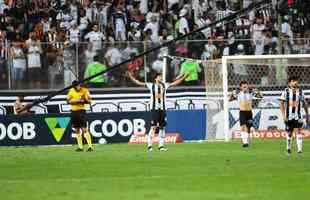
49 43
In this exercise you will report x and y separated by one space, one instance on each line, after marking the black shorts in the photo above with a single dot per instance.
158 118
246 118
290 125
78 119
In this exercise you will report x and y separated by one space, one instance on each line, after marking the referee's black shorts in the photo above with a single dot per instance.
290 125
159 118
78 119
246 118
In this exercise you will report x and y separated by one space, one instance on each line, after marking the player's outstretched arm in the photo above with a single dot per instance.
178 81
136 81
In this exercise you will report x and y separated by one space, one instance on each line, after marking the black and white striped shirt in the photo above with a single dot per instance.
158 95
293 102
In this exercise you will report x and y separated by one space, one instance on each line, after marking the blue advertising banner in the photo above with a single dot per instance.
191 124
53 129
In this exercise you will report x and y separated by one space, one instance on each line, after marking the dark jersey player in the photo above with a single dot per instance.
245 99
158 107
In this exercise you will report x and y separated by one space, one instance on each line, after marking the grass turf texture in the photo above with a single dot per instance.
186 171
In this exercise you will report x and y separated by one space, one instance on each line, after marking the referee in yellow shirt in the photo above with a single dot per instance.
78 97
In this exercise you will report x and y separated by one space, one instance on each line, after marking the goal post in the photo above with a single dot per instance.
267 72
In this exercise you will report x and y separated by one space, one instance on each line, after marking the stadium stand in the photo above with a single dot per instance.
46 44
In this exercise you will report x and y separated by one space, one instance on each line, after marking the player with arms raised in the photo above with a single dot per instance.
291 100
78 98
245 99
158 100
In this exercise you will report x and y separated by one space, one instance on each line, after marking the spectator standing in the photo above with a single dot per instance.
191 69
18 64
95 68
119 23
95 37
3 64
286 29
53 65
69 57
113 57
183 23
257 36
74 33
34 60
209 51
153 26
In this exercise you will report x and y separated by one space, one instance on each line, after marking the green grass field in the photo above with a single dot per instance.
187 171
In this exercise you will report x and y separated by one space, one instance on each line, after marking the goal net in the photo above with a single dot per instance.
267 73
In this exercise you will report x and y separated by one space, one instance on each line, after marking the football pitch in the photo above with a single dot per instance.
186 171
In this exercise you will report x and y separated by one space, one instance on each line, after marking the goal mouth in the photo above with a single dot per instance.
267 73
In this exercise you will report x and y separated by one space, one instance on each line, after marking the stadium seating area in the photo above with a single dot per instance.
48 43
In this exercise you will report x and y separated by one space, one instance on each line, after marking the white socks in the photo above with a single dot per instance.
245 137
150 137
288 142
299 142
161 138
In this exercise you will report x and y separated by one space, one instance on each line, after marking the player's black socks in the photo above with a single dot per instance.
90 149
245 145
79 150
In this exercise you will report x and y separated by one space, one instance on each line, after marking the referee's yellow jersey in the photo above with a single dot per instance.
74 96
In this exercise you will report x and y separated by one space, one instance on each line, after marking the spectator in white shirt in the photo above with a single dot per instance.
95 37
119 21
83 22
153 25
34 60
143 6
103 15
257 36
286 29
183 26
74 33
113 56
74 10
209 51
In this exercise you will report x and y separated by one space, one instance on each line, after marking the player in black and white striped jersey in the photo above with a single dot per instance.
291 102
245 97
158 107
